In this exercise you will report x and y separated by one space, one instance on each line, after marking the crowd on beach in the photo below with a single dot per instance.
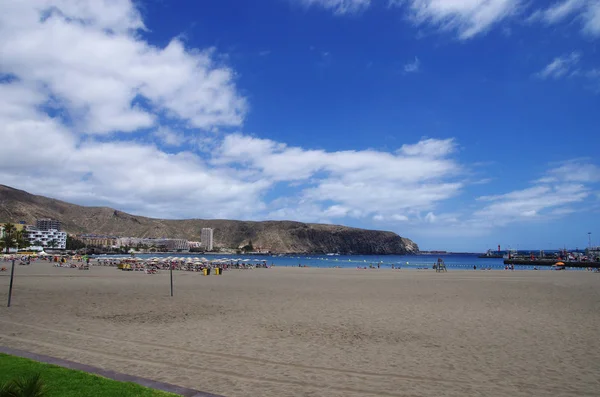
148 266
154 265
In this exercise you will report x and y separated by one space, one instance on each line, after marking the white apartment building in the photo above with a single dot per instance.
40 239
171 244
195 244
206 239
47 224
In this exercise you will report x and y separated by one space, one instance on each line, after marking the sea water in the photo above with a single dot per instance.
452 261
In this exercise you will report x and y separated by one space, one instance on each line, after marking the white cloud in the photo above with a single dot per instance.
563 186
585 11
591 19
558 11
360 183
429 147
412 67
467 17
573 171
566 188
103 74
83 62
129 175
65 92
340 7
169 137
430 217
533 202
96 96
561 66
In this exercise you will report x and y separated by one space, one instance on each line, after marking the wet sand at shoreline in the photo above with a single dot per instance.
319 332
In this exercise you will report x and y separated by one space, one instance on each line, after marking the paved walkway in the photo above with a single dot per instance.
107 373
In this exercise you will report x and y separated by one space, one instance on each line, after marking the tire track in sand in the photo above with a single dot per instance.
244 358
194 367
472 385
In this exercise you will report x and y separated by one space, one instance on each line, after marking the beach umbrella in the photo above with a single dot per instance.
559 264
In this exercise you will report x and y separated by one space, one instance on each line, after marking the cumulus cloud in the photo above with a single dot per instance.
78 69
339 7
98 69
362 183
467 18
81 75
560 66
81 69
49 158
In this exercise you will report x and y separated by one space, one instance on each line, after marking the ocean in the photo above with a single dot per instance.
452 261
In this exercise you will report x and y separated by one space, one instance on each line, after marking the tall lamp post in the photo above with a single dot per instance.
12 275
171 273
590 240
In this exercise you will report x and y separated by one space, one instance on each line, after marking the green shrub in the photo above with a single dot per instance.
25 386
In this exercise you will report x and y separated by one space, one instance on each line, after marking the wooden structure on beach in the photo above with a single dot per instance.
440 266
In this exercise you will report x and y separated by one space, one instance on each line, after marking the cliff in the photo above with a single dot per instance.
276 236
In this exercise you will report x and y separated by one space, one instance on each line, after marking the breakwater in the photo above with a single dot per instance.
547 262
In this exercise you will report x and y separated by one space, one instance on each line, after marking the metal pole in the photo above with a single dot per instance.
12 272
171 271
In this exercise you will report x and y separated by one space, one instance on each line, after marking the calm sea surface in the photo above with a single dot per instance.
453 261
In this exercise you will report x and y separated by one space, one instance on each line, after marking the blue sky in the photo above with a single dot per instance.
459 124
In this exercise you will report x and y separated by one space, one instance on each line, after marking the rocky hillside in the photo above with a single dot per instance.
277 236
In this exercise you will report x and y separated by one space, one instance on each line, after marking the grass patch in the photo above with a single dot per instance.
63 382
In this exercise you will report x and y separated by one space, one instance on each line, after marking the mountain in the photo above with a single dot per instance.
276 236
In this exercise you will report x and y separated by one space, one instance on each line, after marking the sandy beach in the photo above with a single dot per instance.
318 332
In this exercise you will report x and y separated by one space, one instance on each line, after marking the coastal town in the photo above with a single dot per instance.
47 234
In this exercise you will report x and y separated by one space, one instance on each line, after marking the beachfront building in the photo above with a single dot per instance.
41 239
169 244
176 244
98 240
195 244
47 224
206 239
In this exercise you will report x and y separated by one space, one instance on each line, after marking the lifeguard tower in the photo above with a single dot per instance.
440 266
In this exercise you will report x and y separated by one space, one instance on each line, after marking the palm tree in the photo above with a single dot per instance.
13 238
52 243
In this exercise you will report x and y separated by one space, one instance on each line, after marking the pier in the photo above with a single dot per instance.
550 262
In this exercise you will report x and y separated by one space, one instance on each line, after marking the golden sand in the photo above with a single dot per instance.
319 332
